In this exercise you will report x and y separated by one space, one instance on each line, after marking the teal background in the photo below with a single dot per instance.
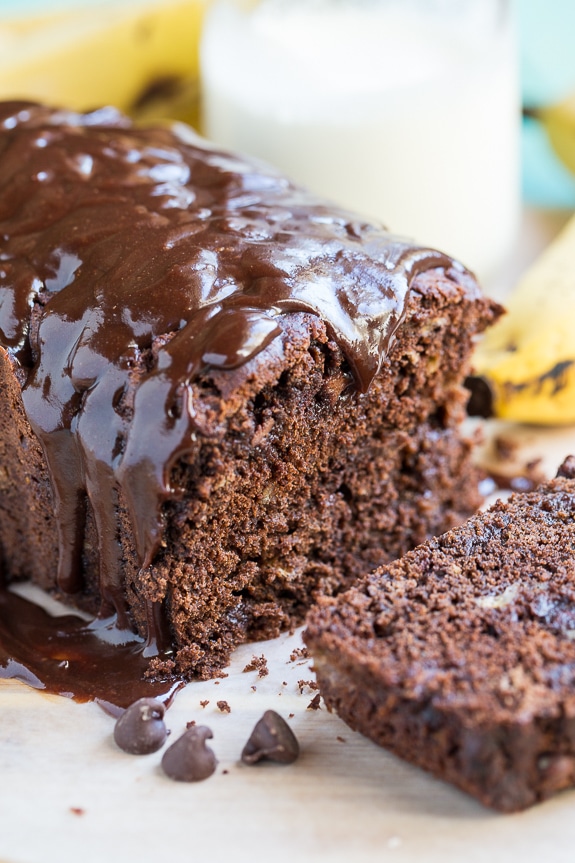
547 66
547 49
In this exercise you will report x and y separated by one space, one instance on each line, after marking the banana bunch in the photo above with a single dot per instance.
527 360
140 55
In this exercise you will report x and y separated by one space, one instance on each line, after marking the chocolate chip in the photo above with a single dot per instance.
567 469
557 772
141 728
480 403
315 703
189 759
271 740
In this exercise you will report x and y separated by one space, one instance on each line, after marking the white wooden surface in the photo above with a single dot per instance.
67 794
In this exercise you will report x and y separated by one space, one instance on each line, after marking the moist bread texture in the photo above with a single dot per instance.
460 657
221 397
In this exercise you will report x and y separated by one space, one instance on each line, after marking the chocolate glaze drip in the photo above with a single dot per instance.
65 655
125 249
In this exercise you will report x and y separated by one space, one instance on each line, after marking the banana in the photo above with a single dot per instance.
141 56
527 359
559 123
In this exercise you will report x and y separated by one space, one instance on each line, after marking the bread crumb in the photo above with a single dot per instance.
505 447
299 653
309 684
259 664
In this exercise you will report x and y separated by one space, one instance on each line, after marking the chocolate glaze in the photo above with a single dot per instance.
65 655
125 248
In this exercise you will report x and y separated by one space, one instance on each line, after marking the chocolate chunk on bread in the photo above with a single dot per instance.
460 657
221 397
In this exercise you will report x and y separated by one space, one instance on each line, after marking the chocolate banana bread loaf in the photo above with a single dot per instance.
221 397
460 657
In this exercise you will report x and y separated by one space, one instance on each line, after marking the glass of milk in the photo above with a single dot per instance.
406 111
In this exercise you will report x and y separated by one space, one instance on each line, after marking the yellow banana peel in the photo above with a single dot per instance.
528 357
141 56
559 122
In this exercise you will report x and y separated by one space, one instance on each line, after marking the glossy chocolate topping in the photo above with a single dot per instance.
131 260
66 656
